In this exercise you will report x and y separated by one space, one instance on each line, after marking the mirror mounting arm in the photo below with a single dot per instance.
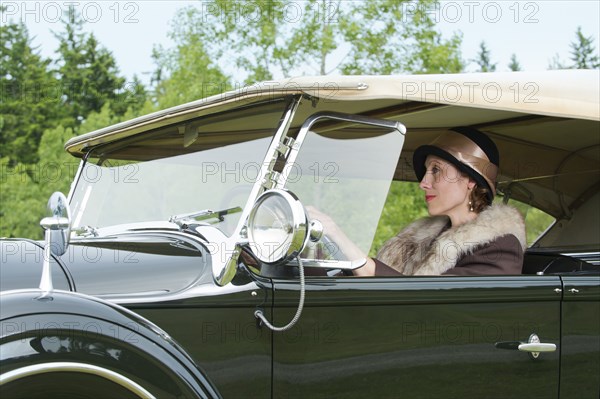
57 231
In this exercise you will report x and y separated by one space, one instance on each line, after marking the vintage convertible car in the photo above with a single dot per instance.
175 267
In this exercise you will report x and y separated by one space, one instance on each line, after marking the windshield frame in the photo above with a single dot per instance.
288 105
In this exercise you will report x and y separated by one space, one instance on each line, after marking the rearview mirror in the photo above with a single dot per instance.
58 224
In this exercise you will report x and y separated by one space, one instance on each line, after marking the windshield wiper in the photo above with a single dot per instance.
86 231
188 220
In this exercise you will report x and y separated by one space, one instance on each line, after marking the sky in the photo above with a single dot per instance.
536 31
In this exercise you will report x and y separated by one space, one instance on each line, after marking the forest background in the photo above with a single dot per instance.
47 100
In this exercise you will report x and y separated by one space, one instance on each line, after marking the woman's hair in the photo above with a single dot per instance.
479 198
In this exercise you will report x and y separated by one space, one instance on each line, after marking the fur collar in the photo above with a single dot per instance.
430 247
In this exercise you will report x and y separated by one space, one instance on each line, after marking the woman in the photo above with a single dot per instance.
465 234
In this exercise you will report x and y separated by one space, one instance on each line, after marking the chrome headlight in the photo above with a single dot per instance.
277 227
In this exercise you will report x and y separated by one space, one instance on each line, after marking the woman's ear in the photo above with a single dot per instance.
471 184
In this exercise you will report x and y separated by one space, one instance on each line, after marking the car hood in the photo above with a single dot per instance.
129 264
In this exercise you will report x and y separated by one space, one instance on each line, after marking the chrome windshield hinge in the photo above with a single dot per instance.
285 147
270 180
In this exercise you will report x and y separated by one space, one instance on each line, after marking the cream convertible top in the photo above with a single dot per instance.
546 124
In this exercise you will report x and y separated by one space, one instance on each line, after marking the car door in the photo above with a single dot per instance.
417 337
580 347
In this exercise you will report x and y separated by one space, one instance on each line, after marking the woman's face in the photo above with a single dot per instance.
446 190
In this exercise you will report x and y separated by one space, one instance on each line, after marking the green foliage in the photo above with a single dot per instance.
27 187
19 201
405 203
536 221
89 75
483 59
45 102
436 55
583 52
267 39
384 38
514 64
30 101
42 108
191 74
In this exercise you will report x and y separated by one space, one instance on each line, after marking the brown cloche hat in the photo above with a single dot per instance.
471 151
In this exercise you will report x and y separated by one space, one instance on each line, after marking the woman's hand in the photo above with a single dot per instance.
348 249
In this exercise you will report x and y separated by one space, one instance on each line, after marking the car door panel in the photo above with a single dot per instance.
417 337
580 347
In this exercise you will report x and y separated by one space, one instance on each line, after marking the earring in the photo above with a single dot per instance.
470 206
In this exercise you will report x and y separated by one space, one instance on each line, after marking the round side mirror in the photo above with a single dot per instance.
57 224
277 227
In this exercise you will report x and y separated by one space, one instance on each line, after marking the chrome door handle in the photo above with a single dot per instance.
539 347
533 346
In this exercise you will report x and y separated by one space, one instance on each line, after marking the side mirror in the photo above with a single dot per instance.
58 224
278 227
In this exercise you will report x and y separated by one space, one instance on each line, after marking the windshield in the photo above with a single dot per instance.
345 171
201 165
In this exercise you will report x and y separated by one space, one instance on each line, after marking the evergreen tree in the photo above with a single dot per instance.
88 73
30 97
27 187
483 59
583 52
514 64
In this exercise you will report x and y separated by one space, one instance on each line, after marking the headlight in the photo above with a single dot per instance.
277 226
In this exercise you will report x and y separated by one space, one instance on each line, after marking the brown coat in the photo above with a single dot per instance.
493 243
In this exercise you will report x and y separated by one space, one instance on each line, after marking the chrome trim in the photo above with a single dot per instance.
215 244
592 257
224 266
57 232
311 120
76 179
199 291
331 263
534 346
271 156
293 154
299 224
537 347
46 285
110 375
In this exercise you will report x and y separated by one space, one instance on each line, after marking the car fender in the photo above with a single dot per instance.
67 343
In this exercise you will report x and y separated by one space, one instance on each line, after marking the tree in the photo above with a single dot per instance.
39 113
27 187
190 74
88 73
394 36
483 59
514 64
30 98
20 204
404 204
583 52
262 40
